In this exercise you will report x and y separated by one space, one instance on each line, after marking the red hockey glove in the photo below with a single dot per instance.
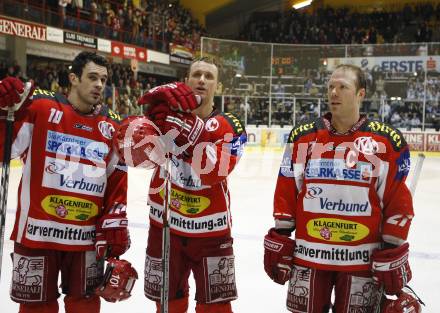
186 129
118 282
13 93
112 236
390 268
177 95
138 143
405 302
278 256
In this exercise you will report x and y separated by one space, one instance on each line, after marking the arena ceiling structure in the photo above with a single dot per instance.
201 8
223 18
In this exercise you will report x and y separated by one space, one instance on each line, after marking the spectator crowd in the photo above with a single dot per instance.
123 86
417 23
145 23
151 24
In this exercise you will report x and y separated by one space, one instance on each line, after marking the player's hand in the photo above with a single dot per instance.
177 95
391 269
112 236
187 129
278 256
13 93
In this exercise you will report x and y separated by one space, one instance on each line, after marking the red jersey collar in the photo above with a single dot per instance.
327 122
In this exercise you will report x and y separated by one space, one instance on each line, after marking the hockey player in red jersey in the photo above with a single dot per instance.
207 147
72 194
341 188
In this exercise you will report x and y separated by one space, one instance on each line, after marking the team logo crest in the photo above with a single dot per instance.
61 211
106 129
325 233
366 145
211 125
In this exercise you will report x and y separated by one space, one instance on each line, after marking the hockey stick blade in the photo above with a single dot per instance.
416 173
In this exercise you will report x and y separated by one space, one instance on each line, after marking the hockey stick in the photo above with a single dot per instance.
412 189
6 167
416 174
166 237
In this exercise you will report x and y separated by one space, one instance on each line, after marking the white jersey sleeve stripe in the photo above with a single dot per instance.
25 196
22 141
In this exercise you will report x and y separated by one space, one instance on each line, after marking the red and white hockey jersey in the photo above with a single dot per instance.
70 172
345 193
200 202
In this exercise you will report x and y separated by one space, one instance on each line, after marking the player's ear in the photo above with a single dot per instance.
73 79
361 92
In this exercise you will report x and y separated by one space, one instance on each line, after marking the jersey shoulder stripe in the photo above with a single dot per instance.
235 123
394 136
107 112
49 95
303 129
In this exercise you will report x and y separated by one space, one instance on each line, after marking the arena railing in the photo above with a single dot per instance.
80 21
281 84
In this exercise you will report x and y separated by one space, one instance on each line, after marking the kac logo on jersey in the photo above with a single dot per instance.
366 145
106 129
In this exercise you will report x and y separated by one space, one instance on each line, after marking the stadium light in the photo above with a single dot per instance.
301 4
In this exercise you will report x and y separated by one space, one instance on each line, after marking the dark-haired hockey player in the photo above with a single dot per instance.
72 195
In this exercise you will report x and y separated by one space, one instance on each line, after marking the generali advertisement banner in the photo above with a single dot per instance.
409 64
277 137
128 52
22 29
